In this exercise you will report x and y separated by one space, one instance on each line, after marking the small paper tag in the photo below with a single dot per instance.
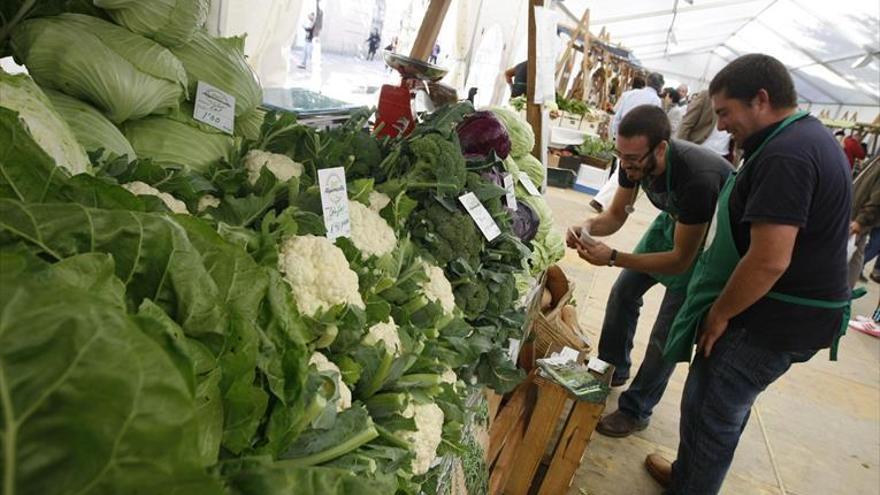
511 193
481 216
334 200
568 354
513 349
597 365
214 107
528 184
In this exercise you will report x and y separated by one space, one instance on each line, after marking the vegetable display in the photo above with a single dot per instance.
175 318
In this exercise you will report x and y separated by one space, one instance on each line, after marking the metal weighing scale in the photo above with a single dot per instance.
396 102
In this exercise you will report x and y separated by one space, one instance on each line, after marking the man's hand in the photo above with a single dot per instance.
572 236
712 329
598 254
855 228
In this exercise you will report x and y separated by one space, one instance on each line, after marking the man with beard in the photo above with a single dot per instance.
683 181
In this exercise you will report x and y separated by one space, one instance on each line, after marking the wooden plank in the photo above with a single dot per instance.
493 401
585 63
430 29
548 408
534 114
567 458
566 64
508 459
508 416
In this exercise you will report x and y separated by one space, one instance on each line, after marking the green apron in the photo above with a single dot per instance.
659 238
715 266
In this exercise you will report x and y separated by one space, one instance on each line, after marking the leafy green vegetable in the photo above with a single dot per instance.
351 429
19 94
91 128
532 167
123 74
446 234
169 22
522 137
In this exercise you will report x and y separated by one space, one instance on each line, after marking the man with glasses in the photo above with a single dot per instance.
682 180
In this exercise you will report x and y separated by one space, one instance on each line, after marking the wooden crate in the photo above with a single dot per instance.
524 454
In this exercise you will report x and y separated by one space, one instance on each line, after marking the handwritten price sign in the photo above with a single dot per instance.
214 107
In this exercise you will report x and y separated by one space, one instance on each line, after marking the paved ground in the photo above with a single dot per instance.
815 431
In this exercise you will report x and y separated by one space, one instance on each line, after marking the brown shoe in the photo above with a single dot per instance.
660 469
620 424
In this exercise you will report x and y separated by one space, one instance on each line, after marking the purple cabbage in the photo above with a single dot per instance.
525 222
480 134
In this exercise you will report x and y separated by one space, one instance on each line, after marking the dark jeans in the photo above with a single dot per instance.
715 408
616 341
872 249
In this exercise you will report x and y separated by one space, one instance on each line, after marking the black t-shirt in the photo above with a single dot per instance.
801 178
698 174
520 79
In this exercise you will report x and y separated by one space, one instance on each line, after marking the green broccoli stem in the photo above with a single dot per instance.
379 376
351 443
419 380
312 411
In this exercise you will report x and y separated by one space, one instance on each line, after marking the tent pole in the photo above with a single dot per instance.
430 29
534 112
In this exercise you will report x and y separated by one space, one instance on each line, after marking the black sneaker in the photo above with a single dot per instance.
619 381
619 424
875 277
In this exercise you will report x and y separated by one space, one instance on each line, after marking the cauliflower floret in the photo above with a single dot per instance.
449 377
281 166
139 188
427 437
370 233
323 364
318 274
385 332
207 201
378 201
438 289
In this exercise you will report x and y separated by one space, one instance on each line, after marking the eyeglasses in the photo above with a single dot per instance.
629 160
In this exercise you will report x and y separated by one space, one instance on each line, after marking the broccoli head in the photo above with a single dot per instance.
472 298
446 235
438 161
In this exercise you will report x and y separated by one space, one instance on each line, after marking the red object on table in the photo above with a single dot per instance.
394 106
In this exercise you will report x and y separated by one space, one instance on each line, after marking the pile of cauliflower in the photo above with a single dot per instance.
281 166
318 274
427 435
324 365
370 233
438 289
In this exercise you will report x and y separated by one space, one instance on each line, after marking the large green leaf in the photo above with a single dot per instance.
90 403
169 22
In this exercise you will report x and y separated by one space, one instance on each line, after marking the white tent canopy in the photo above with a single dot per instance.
831 48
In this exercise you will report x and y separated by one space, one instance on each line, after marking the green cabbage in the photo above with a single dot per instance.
178 139
123 74
20 94
169 22
221 63
548 246
522 137
532 167
91 127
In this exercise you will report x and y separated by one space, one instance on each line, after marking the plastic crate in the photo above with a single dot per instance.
559 177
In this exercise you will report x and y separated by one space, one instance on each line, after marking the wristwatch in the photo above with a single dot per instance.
613 259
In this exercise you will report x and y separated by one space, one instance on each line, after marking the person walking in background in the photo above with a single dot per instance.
852 147
518 78
307 48
372 44
770 289
435 52
683 94
699 125
865 220
671 102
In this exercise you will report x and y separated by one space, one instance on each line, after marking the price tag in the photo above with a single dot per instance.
481 216
214 107
528 184
511 193
334 200
513 348
598 365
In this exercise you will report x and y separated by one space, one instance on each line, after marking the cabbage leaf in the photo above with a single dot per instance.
168 22
91 127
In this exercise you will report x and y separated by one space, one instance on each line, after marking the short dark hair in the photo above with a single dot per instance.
748 74
673 93
646 120
655 80
638 82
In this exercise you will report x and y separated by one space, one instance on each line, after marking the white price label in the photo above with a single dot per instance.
214 107
481 216
334 200
528 184
513 348
511 193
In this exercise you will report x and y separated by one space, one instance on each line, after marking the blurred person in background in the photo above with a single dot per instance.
373 44
671 102
852 147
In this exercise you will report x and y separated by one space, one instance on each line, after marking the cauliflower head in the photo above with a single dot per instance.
208 201
385 332
427 436
318 274
378 201
281 166
139 188
370 233
438 289
323 364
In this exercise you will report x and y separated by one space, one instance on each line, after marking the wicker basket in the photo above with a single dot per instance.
549 329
